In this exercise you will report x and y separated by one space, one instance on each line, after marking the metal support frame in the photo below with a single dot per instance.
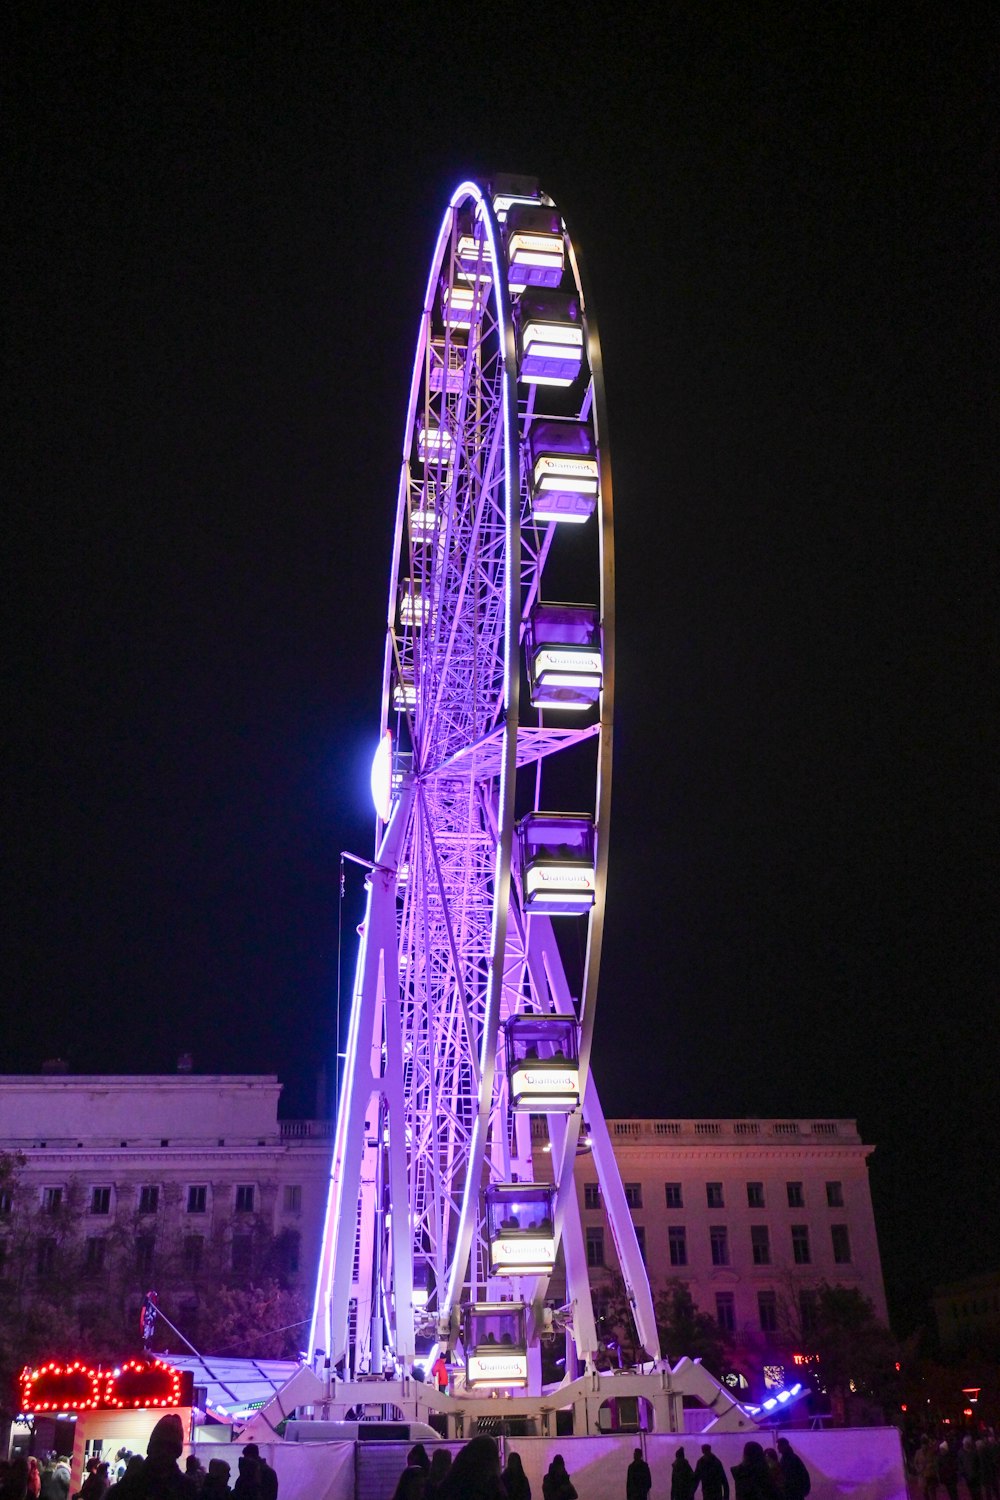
447 953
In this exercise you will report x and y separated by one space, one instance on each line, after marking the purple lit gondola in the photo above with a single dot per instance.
563 650
556 853
563 471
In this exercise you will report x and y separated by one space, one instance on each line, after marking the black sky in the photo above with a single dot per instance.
216 232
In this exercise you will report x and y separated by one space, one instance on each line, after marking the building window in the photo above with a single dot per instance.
149 1200
595 1246
767 1308
675 1198
633 1194
835 1195
713 1193
290 1252
800 1244
718 1236
725 1311
100 1200
45 1256
144 1255
795 1195
293 1200
244 1198
6 1203
197 1200
51 1200
807 1310
591 1195
841 1244
760 1244
677 1241
242 1254
93 1263
755 1195
193 1246
640 1234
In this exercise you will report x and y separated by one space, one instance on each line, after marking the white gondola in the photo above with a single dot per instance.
434 444
404 692
512 188
472 254
536 249
520 1228
495 1343
563 650
446 365
563 472
543 1064
550 338
414 609
556 852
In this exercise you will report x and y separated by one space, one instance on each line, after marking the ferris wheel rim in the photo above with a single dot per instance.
479 194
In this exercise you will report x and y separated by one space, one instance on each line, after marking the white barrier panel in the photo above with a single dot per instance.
380 1465
863 1462
596 1465
319 1471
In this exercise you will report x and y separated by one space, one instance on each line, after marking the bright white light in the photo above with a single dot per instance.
556 471
568 334
381 777
505 201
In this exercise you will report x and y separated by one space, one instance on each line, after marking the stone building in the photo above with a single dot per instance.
178 1182
753 1216
184 1182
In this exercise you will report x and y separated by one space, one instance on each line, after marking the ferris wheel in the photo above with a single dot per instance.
468 1091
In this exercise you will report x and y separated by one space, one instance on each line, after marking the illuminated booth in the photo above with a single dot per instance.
563 472
520 1227
543 1063
113 1406
550 338
556 855
495 1343
563 650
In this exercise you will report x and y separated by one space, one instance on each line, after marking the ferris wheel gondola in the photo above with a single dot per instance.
496 715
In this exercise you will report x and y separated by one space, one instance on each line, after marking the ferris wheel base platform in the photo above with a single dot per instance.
663 1390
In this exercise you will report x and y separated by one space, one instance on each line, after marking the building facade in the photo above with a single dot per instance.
181 1183
184 1183
752 1216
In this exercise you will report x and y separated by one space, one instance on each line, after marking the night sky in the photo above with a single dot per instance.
216 232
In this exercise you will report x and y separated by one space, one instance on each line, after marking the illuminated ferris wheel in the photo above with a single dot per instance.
476 986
